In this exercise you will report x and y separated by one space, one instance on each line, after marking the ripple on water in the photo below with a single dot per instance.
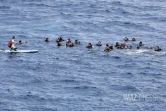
125 89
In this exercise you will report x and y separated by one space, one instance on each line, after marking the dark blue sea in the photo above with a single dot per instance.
76 78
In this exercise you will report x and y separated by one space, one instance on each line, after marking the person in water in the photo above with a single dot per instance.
47 39
77 42
149 47
69 43
117 45
111 47
60 39
140 44
133 39
157 48
59 44
99 44
130 47
20 42
107 49
126 39
123 45
89 46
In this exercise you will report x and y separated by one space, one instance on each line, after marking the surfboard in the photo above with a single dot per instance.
20 51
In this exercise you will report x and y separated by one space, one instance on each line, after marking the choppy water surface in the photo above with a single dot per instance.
73 79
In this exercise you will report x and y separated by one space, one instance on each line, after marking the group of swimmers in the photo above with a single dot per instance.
118 45
69 43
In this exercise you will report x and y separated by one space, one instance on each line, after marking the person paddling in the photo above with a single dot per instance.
11 44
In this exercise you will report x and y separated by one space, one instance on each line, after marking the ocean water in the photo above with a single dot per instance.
80 79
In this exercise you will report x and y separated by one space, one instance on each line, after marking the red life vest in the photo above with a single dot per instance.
10 43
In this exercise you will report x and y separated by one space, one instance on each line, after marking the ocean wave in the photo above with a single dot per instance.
127 88
4 7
